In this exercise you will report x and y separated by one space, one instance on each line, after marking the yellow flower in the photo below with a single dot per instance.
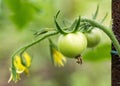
58 58
20 65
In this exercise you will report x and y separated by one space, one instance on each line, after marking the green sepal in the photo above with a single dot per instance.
23 61
56 16
89 29
52 46
58 27
85 27
73 24
77 25
22 58
14 74
82 27
96 13
104 18
42 31
38 33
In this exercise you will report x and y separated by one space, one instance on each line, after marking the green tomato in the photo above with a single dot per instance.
72 44
93 37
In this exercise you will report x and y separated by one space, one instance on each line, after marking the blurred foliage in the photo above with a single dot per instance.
22 11
100 52
31 16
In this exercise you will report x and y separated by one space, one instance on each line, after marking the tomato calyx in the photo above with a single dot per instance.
72 29
79 59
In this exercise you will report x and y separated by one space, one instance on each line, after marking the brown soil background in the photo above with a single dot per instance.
116 29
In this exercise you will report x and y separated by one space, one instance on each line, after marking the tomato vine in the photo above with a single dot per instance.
107 30
79 26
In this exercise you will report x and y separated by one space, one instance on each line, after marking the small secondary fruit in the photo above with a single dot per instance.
93 37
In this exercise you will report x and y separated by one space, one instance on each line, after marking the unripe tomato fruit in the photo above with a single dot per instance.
72 44
93 37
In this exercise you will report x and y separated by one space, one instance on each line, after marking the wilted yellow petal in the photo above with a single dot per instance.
27 59
18 64
58 58
11 78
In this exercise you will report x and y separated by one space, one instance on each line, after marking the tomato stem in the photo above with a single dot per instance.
51 33
108 31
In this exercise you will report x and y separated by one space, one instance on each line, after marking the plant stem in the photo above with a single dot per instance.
40 39
33 43
108 31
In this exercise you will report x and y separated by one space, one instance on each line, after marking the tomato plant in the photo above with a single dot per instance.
93 37
72 44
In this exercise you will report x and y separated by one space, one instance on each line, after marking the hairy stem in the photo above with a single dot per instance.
108 31
33 43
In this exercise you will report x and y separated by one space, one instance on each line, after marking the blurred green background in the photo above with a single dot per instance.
20 19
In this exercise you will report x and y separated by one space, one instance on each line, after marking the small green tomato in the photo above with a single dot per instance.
72 44
93 37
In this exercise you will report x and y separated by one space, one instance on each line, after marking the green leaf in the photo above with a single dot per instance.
14 5
100 53
22 12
